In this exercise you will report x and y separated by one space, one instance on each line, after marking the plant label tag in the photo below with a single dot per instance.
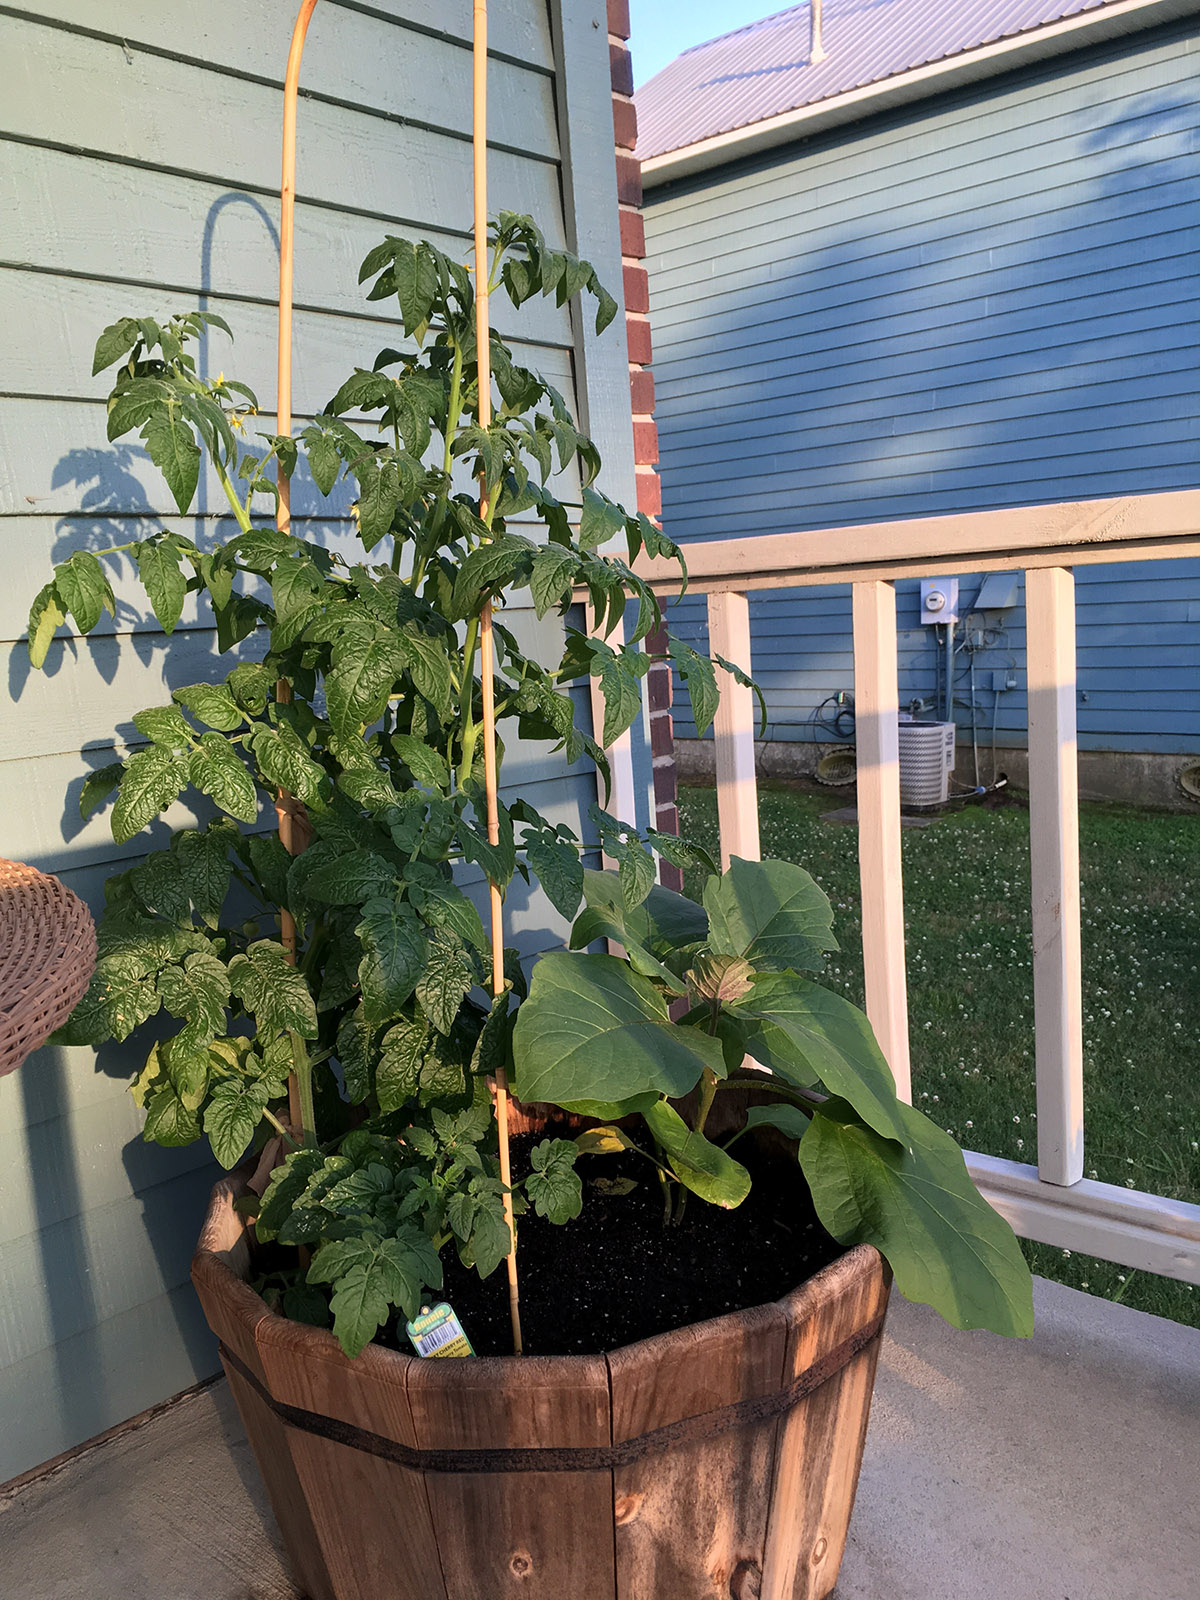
438 1332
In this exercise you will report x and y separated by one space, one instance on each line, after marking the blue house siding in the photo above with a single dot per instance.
987 299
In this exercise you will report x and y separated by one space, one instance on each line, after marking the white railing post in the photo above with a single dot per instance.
876 707
1054 870
733 729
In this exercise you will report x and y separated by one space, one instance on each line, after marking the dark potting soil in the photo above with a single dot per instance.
617 1274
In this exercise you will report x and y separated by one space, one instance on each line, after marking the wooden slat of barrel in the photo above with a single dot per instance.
821 1440
518 1536
234 1312
371 1516
691 1523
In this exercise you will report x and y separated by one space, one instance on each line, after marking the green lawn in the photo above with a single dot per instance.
966 882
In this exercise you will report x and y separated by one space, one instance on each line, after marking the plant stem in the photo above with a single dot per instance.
279 1127
304 1083
708 1090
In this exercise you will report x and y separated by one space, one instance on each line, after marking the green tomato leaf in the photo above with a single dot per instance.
168 1120
553 1184
285 763
84 589
151 782
699 675
164 725
174 451
212 704
447 979
272 990
771 913
595 1032
234 1111
117 340
46 615
917 1205
97 787
395 951
351 879
288 1183
699 1164
558 868
397 1075
163 580
218 771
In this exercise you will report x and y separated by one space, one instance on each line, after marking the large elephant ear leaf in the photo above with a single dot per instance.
594 1033
771 913
807 1034
664 921
919 1208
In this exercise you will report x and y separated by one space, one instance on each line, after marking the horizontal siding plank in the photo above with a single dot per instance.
135 107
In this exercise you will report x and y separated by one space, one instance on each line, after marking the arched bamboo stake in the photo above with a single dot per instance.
483 351
293 828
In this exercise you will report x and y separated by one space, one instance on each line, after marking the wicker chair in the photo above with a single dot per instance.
47 955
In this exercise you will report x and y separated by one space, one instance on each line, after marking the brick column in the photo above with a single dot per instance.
641 387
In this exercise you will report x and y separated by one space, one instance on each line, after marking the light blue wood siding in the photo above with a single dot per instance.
985 300
139 175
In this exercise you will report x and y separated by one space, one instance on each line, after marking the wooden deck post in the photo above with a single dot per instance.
733 729
876 704
1054 870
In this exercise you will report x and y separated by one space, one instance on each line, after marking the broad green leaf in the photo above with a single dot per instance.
621 686
600 521
272 990
163 580
46 615
441 902
357 689
595 1033
197 991
552 577
804 1032
168 1120
251 685
212 704
558 868
371 1275
553 1184
117 340
218 771
395 950
205 868
788 1120
234 1111
173 450
610 922
771 913
152 781
288 1183
425 659
285 763
491 1047
698 674
665 920
351 879
447 979
164 725
97 787
699 1164
187 1070
917 1205
84 589
354 1037
158 883
121 996
398 1073
427 765
602 1142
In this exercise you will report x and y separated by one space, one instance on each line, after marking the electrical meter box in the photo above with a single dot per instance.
939 600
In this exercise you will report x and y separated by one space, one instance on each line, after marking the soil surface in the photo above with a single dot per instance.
616 1274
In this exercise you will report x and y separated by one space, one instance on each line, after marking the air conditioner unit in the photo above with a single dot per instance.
926 762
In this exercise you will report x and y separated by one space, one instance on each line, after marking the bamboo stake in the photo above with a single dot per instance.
293 828
486 646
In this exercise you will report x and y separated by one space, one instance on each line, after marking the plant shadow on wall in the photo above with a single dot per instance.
330 1007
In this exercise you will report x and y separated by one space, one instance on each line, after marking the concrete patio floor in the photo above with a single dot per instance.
1067 1468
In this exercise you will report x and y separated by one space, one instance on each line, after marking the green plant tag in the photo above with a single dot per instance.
438 1332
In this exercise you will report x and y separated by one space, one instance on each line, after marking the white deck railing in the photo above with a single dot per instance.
1051 1202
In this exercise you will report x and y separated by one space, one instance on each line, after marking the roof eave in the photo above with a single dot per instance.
1072 33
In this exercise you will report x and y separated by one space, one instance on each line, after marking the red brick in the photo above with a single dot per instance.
618 18
662 734
645 441
637 289
668 819
664 785
637 332
649 492
641 391
629 179
660 688
621 66
671 878
656 642
624 122
633 233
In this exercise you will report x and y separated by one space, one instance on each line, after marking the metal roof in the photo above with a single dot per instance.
764 70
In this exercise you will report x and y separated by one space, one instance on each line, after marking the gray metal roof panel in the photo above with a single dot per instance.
764 69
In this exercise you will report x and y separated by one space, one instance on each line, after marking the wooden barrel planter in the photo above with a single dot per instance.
719 1460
